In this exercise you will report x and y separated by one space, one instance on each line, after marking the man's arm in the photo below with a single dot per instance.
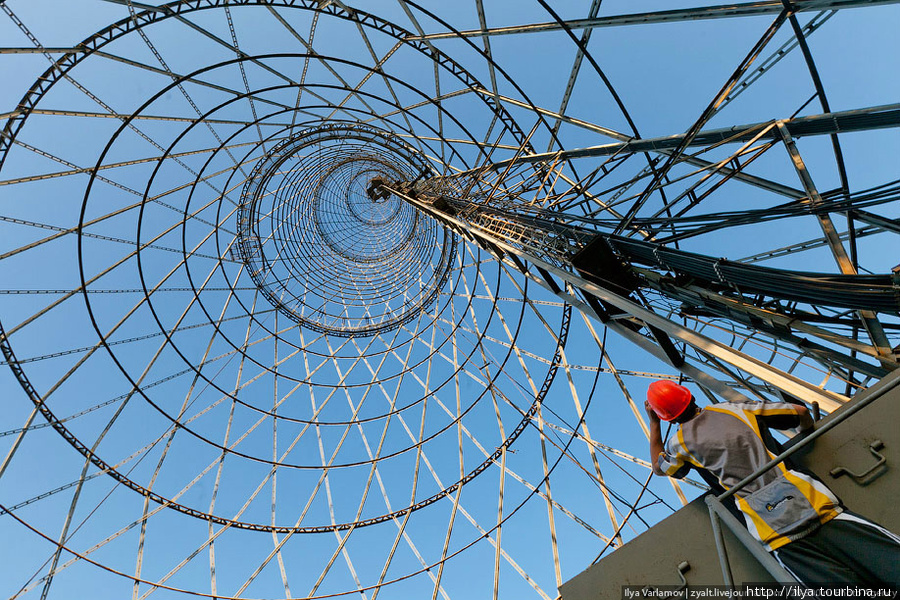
656 443
778 415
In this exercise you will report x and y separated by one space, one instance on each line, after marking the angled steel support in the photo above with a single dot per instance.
870 322
562 278
878 221
865 119
699 296
722 11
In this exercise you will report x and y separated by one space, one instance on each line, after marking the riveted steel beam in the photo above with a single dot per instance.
721 11
864 119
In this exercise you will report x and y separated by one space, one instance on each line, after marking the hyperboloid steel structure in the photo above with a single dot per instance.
332 298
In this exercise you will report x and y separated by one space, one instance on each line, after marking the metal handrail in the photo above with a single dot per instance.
717 513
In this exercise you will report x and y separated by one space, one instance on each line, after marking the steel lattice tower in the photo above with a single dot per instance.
319 298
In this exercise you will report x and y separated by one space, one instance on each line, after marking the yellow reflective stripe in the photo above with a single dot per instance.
765 533
820 501
687 453
722 408
765 409
777 542
734 411
769 408
671 468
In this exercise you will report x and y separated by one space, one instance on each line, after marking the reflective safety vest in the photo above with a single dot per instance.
726 439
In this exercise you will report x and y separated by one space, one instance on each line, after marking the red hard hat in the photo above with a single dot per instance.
668 399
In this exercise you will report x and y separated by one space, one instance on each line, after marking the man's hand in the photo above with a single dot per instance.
806 420
651 414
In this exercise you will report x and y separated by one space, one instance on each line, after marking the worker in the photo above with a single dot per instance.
793 514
